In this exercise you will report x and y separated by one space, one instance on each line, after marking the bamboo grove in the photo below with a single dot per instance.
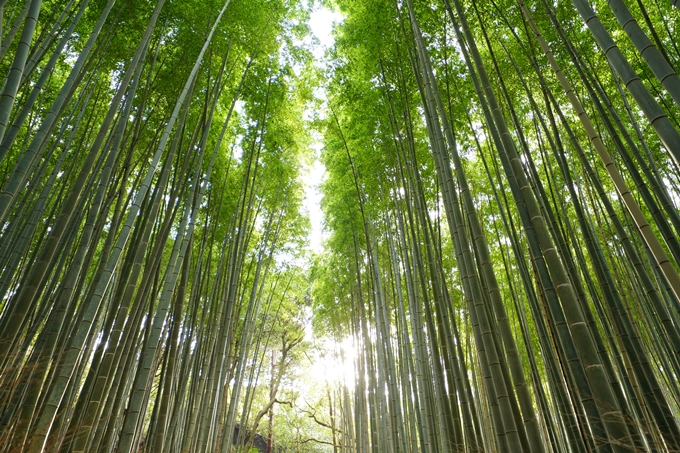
500 201
502 206
151 199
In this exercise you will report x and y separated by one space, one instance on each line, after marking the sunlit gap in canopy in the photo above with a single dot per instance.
321 23
333 361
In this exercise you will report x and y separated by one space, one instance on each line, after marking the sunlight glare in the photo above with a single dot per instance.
336 364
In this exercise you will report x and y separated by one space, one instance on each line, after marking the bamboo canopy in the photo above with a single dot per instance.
498 268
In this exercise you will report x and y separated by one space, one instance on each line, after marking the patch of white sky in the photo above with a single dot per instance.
321 23
332 361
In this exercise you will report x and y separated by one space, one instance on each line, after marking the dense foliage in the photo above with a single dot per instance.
502 206
500 264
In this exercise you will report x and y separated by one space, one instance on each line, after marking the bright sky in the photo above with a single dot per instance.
312 201
321 23
328 366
